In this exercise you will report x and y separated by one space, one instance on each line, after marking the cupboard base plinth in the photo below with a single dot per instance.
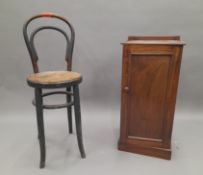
149 151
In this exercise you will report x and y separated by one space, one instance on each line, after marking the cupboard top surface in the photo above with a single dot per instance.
154 42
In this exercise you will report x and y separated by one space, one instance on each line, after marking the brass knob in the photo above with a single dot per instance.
127 89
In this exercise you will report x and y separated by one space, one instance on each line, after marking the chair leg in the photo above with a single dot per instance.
40 124
69 111
78 121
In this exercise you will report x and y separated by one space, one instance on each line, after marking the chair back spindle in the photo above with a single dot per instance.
29 39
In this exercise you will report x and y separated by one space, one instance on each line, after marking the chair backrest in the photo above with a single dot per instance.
29 39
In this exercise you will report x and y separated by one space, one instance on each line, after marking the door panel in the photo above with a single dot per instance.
147 80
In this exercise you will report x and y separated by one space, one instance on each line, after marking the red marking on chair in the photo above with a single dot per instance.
47 14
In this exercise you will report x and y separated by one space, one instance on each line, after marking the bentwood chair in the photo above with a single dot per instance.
54 80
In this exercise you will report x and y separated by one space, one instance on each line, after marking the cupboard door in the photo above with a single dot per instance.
147 82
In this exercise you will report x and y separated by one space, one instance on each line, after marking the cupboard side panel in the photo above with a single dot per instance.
172 94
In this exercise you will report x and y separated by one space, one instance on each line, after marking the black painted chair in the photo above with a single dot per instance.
54 80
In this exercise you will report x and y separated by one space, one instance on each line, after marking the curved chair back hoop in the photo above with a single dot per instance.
29 39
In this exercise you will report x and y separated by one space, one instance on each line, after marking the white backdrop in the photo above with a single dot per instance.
100 28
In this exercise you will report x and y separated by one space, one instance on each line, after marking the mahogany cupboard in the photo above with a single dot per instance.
150 73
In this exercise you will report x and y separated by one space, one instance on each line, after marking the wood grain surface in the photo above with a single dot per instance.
53 77
150 73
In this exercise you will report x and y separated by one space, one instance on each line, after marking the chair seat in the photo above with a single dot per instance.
53 78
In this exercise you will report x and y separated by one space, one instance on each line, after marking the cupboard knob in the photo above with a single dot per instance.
127 89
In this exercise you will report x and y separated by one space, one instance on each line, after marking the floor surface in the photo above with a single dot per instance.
19 149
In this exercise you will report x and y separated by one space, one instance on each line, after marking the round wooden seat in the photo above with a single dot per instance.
54 79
